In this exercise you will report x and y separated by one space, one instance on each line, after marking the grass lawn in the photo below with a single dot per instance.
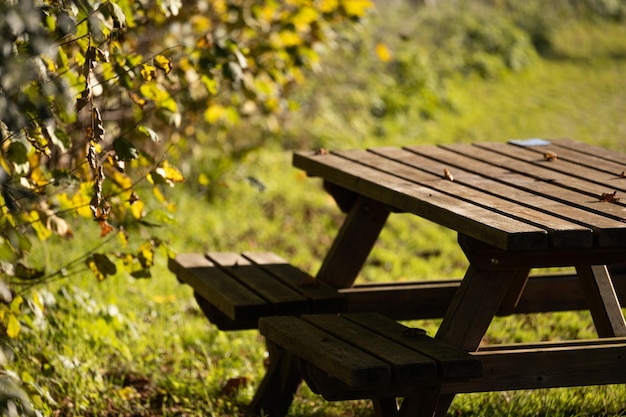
132 347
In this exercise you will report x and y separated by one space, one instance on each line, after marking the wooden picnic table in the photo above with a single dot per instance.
516 206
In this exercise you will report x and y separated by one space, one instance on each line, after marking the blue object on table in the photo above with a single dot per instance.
529 142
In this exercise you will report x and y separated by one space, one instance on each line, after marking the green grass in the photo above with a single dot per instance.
132 347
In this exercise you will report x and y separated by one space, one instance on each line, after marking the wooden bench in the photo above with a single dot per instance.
235 290
365 355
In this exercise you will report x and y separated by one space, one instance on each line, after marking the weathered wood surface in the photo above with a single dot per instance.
234 290
445 209
371 355
413 300
221 290
548 365
506 195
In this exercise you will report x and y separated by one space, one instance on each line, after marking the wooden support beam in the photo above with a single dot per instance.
603 303
547 365
353 243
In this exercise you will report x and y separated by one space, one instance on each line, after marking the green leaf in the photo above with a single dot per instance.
125 150
141 273
17 153
101 266
26 273
119 18
150 133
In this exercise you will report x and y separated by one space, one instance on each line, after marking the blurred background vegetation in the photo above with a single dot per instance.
408 72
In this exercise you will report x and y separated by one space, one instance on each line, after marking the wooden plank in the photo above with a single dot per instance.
218 288
547 368
452 362
407 365
571 162
499 230
221 320
543 212
609 229
415 300
322 297
483 176
553 344
345 362
584 165
492 258
353 243
604 153
503 163
281 298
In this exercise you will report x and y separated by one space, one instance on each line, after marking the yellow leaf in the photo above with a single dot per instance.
38 177
123 238
148 72
136 209
162 299
285 39
200 23
146 255
171 173
214 113
163 63
159 195
13 326
383 53
35 221
122 180
357 8
37 301
304 18
203 179
328 6
16 304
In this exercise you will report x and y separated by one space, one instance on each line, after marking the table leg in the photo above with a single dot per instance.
465 323
354 243
603 303
385 407
281 380
513 295
423 403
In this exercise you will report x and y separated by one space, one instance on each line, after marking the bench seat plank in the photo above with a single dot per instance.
234 290
453 362
322 297
218 288
407 365
331 354
366 355
281 298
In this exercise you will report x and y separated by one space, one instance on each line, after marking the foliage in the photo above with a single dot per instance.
401 82
99 103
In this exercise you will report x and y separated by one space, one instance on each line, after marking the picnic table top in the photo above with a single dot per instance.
519 195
